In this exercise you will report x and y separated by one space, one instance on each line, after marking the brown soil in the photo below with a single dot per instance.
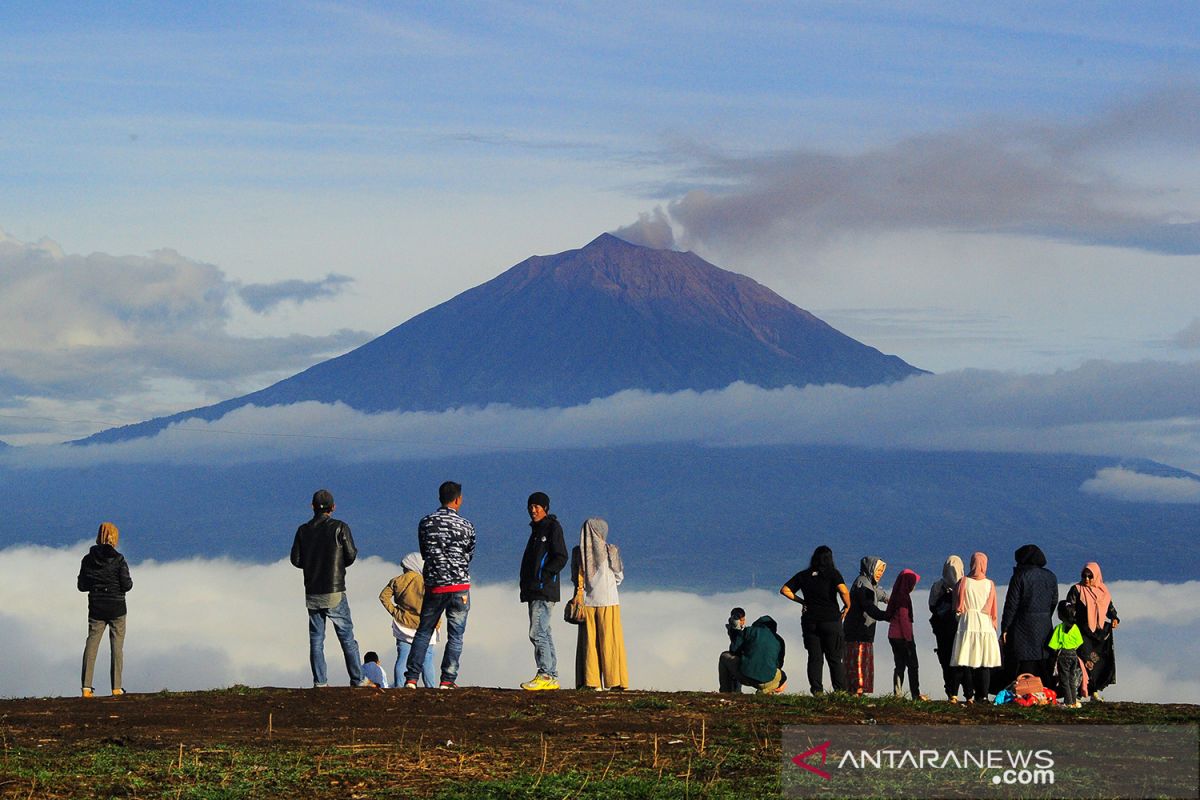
486 733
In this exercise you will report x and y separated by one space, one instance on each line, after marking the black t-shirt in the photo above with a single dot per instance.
819 590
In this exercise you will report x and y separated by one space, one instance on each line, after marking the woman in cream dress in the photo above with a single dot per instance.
600 654
976 645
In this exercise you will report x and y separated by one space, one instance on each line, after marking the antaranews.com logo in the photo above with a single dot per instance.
991 761
1010 767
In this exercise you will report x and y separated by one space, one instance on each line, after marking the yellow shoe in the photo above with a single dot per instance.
118 692
540 683
87 691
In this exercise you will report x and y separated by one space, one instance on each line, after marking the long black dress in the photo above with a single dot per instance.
1097 651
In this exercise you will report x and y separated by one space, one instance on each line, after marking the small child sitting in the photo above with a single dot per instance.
373 671
736 628
1066 640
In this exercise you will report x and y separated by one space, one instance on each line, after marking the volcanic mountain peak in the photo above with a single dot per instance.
593 321
635 272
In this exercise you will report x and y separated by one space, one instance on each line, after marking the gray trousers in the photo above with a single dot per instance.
116 644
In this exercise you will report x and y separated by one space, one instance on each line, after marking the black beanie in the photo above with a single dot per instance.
322 500
539 499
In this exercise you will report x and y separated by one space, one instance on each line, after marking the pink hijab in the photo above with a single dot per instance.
1095 598
978 572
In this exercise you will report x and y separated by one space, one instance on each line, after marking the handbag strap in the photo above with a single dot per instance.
579 586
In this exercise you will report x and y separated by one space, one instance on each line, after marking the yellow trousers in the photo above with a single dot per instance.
600 654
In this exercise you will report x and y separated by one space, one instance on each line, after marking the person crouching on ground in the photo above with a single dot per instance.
372 670
104 575
735 628
757 659
323 548
402 598
545 556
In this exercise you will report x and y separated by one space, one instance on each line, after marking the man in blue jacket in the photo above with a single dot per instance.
545 556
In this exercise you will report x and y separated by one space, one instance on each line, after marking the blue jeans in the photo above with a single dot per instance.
427 672
543 642
456 605
339 615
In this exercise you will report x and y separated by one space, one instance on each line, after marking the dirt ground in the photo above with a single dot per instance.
475 733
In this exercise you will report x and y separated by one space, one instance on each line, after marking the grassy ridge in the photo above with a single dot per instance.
474 743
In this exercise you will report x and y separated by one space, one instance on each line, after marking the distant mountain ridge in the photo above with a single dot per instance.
563 329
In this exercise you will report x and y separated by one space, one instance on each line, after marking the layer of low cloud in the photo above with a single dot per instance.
1145 410
200 623
263 297
1054 179
1137 487
102 327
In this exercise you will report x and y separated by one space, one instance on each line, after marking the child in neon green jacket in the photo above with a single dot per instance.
1065 641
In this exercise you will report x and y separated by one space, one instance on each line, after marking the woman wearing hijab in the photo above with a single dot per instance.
600 654
402 598
820 586
976 647
1097 619
859 628
1028 618
104 575
901 636
944 620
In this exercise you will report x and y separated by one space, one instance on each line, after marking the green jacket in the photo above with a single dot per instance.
1063 639
761 649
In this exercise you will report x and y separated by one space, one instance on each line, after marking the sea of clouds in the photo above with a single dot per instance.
1145 410
205 623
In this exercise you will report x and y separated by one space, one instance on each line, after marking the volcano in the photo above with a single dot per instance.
563 329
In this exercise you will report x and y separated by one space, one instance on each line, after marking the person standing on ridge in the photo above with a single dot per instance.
821 586
865 596
545 556
447 544
104 575
323 548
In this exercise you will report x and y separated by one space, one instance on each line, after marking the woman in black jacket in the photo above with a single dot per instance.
1028 618
104 575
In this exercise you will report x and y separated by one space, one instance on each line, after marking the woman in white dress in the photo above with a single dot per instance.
976 645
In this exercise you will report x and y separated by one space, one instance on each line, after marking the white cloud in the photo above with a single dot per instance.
1137 487
1144 410
99 328
203 623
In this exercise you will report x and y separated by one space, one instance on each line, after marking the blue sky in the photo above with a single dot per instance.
1006 186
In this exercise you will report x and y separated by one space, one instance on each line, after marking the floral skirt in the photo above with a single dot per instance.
860 667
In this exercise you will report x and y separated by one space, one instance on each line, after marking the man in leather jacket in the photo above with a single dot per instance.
323 548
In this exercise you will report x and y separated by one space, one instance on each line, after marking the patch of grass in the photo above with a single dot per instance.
626 787
649 703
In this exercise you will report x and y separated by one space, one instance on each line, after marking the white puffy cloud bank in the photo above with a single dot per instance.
80 334
1147 410
199 623
1125 484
